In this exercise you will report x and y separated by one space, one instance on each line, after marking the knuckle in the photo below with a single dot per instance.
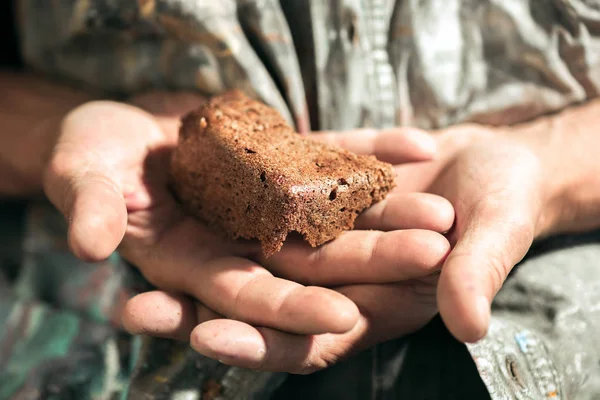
384 213
311 274
62 162
240 310
320 358
424 291
498 271
306 367
371 247
517 221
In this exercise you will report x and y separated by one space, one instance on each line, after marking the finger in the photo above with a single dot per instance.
362 257
160 314
239 344
408 211
491 244
389 311
93 205
395 146
415 177
239 288
86 174
165 315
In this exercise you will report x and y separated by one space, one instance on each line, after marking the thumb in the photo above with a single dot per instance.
84 175
396 146
490 243
91 201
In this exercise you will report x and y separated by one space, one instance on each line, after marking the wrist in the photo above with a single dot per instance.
564 145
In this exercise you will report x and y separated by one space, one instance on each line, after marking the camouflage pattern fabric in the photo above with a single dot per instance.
325 64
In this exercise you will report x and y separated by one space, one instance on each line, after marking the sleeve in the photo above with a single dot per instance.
494 62
129 46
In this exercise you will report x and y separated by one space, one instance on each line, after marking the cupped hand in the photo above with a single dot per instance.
108 175
499 188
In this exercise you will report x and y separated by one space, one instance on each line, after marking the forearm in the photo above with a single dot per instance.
31 109
568 146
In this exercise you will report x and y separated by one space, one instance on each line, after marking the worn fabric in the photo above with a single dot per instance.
325 64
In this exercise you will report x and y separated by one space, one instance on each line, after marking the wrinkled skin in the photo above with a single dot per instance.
108 175
501 195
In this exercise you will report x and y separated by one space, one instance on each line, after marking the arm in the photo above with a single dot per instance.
509 185
31 109
568 146
108 175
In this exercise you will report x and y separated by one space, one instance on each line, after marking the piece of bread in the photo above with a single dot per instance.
241 169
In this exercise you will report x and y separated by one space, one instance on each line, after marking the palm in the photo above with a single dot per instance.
484 178
157 222
494 185
109 176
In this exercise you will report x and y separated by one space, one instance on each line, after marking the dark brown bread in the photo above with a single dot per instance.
241 169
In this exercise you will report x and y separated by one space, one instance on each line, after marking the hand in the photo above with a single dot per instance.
107 174
499 189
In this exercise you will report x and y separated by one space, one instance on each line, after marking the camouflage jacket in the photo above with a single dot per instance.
325 64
